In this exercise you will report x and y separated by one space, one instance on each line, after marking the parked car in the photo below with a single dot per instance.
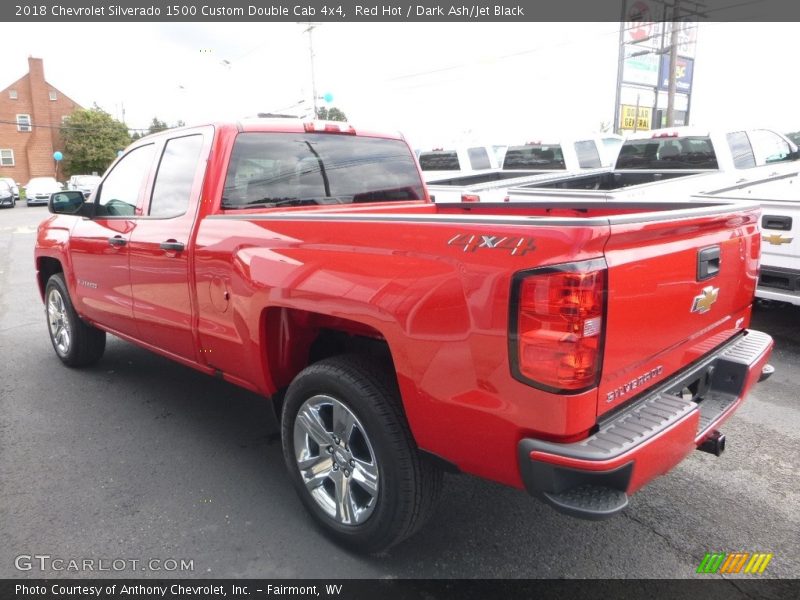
578 354
13 185
38 190
6 195
85 184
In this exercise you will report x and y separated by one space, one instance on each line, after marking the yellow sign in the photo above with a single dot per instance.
628 117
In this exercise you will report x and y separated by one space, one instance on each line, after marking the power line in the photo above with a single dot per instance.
83 128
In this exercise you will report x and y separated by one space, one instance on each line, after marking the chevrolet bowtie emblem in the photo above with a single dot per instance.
702 302
776 239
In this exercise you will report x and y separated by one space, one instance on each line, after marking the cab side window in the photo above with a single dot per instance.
119 193
175 177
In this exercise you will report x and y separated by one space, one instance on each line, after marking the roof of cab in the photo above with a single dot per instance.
684 131
298 125
280 125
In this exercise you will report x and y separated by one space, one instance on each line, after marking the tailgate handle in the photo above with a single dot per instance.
707 263
776 222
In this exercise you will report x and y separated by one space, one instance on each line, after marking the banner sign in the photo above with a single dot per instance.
684 69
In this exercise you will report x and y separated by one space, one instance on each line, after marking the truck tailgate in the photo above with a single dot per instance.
676 290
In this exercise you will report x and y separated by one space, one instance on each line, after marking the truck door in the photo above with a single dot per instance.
99 246
160 257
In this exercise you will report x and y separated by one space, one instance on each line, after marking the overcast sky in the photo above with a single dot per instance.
436 82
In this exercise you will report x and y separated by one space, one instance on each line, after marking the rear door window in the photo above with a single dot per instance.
742 152
479 158
588 156
176 172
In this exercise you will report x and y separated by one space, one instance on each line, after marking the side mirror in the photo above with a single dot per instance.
68 203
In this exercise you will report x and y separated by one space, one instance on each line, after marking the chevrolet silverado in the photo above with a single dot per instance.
573 350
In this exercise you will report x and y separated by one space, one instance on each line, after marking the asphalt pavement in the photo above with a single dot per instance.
139 458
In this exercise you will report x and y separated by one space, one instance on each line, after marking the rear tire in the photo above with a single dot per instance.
351 456
76 343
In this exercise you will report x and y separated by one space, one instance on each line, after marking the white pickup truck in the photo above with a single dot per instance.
526 163
439 163
682 160
779 196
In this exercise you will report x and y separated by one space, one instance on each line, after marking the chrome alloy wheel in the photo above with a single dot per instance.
57 319
336 460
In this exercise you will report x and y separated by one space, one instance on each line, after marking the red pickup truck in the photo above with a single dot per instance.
574 350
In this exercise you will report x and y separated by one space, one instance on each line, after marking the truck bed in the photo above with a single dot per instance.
492 176
612 180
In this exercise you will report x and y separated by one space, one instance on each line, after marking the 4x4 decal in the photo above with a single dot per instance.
516 246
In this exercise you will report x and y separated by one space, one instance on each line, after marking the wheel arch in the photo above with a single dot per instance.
46 267
293 339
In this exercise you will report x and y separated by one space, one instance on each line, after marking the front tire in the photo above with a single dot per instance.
351 456
76 343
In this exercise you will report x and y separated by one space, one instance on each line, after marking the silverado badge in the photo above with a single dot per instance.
776 239
703 301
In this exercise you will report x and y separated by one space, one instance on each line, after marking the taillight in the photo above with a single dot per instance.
470 198
557 326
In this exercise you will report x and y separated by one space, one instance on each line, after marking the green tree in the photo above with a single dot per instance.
157 126
331 114
92 138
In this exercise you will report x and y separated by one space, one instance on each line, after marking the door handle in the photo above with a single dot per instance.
173 246
117 240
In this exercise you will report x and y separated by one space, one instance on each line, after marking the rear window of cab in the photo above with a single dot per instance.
294 169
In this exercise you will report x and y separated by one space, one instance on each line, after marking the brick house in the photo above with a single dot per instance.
31 112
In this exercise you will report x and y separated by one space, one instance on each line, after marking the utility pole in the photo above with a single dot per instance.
620 64
673 64
310 29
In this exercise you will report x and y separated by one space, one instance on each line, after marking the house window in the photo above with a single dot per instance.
12 94
6 157
53 96
23 122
